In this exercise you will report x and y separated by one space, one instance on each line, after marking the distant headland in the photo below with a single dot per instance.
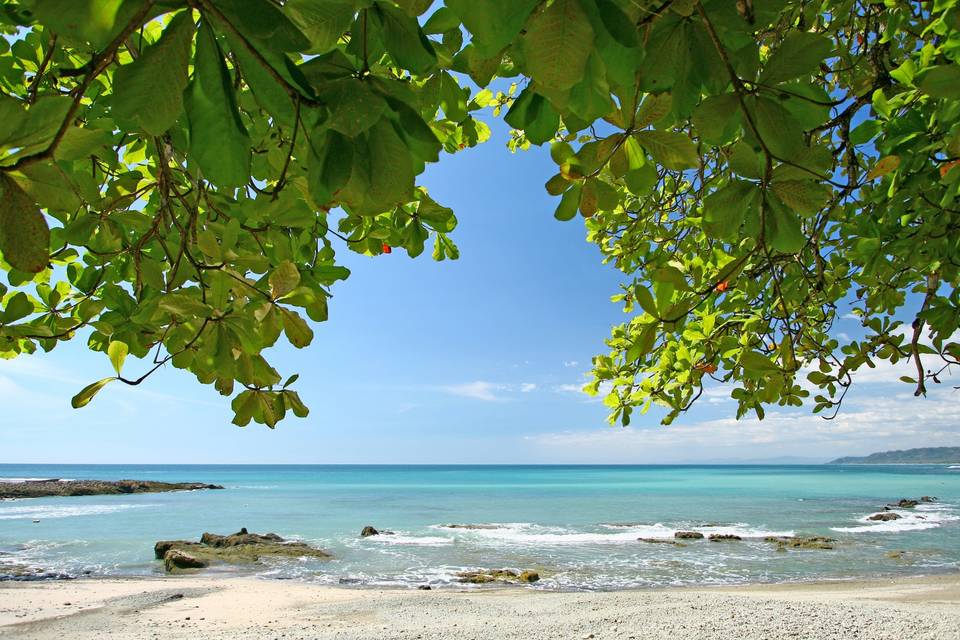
925 455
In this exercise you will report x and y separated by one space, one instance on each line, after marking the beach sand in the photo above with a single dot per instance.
204 607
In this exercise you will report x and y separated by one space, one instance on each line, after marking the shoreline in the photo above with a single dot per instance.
208 607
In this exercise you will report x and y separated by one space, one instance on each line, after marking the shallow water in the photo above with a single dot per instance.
577 525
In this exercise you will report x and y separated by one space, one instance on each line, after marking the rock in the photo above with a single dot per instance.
160 548
724 537
928 499
801 542
368 531
497 575
688 535
424 587
884 516
906 503
237 548
55 487
175 560
657 541
895 555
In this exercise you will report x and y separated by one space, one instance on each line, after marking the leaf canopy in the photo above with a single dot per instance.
178 178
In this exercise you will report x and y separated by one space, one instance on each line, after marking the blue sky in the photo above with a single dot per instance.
474 361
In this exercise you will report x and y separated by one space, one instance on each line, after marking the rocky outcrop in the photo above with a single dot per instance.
236 548
802 542
884 516
176 560
724 537
688 535
54 487
497 575
659 541
368 531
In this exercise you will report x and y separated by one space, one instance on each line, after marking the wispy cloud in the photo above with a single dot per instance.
570 363
869 424
478 390
527 387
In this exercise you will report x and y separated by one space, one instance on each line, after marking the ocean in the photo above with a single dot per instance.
578 526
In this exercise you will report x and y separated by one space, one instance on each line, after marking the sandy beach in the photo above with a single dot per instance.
208 608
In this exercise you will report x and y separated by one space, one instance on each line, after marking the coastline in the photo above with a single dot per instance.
206 607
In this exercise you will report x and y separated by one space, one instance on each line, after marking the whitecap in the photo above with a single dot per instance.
929 517
64 511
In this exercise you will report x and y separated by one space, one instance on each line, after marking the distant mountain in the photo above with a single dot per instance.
926 455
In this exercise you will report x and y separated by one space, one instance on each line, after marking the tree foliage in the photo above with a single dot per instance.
176 176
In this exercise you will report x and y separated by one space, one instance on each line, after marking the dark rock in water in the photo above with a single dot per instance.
657 541
54 487
688 535
236 548
497 575
928 499
801 542
724 537
349 581
884 516
175 560
906 503
425 587
368 531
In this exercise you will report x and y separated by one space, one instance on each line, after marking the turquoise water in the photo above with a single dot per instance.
577 525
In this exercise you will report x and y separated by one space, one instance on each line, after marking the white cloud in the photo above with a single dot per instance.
570 363
478 390
863 426
527 387
568 388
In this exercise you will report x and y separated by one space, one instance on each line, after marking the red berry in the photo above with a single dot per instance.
387 248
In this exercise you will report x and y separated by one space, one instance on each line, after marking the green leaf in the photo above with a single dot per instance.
117 352
942 82
298 331
557 44
262 21
329 172
671 149
93 21
83 398
148 92
18 306
391 177
493 23
803 196
757 362
218 139
724 210
654 107
322 22
617 23
779 130
569 203
24 234
800 54
284 279
717 118
354 107
404 39
783 229
534 114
